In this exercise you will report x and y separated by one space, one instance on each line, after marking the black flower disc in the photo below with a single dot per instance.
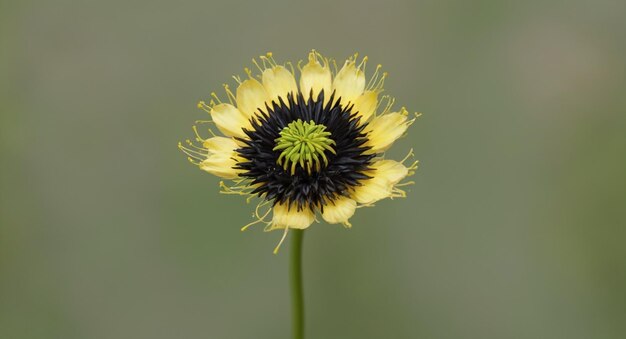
344 170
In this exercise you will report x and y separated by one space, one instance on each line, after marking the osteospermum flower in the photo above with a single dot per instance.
307 148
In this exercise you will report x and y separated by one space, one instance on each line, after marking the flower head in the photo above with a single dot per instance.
307 149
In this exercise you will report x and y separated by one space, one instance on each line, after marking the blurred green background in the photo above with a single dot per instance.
515 228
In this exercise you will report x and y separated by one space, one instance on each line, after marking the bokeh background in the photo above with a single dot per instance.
515 227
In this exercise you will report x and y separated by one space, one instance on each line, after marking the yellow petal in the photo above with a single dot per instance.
219 145
385 174
349 82
366 104
393 171
285 216
278 82
229 120
251 96
372 190
339 212
384 129
221 158
316 77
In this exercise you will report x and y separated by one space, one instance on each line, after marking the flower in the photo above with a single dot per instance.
310 148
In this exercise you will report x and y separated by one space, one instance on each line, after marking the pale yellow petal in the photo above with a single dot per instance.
285 216
372 190
251 96
393 171
229 120
279 82
365 105
221 158
384 129
339 211
349 82
385 174
219 144
316 77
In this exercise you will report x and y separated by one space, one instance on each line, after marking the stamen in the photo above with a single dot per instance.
229 94
197 152
335 68
290 64
384 98
388 105
269 59
265 62
374 77
258 206
248 72
203 106
257 65
251 224
410 154
260 219
397 193
281 240
192 153
242 190
195 162
195 147
214 95
381 82
408 183
198 137
410 122
363 63
412 168
313 56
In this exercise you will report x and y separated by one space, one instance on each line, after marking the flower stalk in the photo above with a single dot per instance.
297 291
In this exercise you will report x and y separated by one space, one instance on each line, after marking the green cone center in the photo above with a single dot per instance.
303 144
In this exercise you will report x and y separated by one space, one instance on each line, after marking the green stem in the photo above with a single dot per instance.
295 275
